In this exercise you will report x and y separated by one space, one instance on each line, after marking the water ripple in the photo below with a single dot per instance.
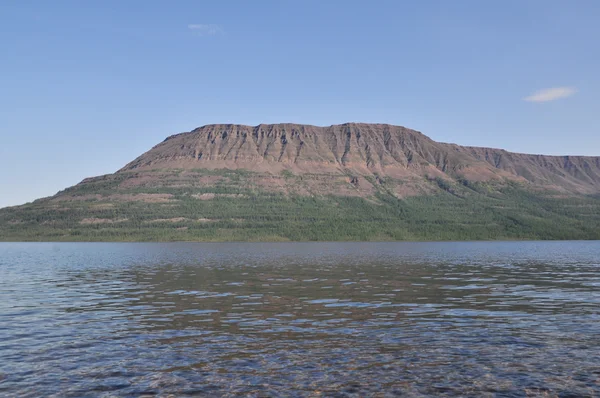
467 319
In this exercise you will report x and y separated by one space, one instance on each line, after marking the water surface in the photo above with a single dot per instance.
300 319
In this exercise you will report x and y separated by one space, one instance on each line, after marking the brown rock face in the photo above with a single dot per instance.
356 149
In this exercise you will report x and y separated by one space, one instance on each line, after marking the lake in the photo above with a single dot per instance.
300 319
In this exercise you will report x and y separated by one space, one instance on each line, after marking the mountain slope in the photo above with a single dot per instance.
298 182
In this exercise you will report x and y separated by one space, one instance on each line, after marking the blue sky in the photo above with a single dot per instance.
88 86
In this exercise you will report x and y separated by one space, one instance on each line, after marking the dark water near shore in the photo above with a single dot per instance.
300 319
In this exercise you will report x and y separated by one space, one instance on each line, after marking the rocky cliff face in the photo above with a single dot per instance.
356 149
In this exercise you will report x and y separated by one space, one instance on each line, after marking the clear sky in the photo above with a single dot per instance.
86 86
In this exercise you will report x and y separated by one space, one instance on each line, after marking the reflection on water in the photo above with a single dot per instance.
302 319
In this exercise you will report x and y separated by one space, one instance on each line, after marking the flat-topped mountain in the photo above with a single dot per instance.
299 182
361 149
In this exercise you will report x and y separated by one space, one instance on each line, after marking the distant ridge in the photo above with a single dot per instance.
354 181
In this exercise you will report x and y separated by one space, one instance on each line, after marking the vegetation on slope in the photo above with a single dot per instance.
234 209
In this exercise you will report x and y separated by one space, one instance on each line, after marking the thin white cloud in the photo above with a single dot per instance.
205 29
551 94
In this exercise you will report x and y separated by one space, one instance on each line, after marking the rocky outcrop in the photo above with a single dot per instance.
354 149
